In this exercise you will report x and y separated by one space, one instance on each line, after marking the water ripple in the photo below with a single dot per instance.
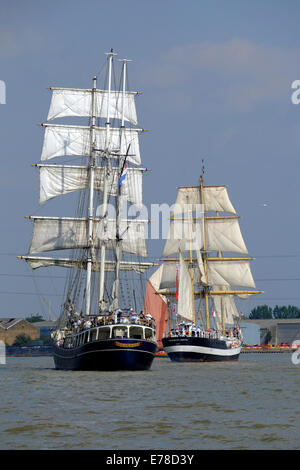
250 404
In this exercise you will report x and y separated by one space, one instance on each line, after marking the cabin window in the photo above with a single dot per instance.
103 333
120 332
148 333
136 332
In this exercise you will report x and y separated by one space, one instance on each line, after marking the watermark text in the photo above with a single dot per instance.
2 353
296 94
296 353
2 92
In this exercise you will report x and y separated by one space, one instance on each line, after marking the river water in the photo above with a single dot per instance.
249 404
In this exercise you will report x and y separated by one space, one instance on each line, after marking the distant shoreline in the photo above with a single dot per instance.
267 349
18 351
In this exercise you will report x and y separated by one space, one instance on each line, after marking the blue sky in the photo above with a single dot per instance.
216 79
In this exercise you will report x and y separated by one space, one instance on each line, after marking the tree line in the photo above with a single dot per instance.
264 312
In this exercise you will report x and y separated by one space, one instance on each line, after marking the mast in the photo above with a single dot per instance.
206 289
89 233
106 174
222 317
92 164
191 257
122 163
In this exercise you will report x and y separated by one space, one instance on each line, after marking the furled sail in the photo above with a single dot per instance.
185 292
36 262
60 141
201 270
58 233
56 180
76 102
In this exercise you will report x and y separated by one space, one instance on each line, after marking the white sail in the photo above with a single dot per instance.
56 180
69 233
36 262
185 291
60 141
200 275
155 281
224 306
155 278
184 235
109 142
215 199
221 234
224 235
132 234
196 232
75 102
230 273
168 273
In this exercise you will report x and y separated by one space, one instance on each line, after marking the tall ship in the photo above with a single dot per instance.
199 270
100 326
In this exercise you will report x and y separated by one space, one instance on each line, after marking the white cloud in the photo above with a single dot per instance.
14 43
242 73
8 45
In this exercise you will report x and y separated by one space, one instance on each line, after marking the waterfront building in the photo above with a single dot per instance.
276 331
10 328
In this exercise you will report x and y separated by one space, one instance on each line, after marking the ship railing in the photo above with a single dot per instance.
199 333
194 334
110 331
111 320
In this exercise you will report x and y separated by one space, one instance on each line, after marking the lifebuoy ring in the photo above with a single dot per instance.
187 333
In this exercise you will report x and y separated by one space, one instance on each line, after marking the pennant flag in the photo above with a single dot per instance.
123 175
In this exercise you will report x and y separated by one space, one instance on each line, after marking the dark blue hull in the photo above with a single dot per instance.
195 349
109 354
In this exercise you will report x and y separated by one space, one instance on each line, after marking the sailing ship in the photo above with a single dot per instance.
203 227
99 327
